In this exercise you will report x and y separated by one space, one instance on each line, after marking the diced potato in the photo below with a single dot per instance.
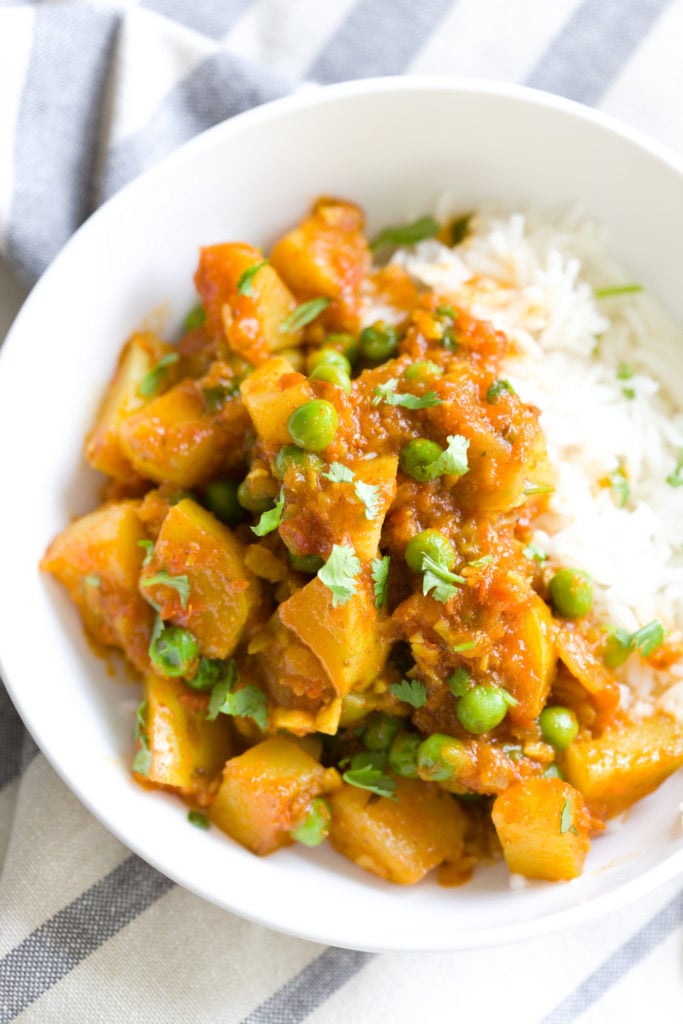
544 828
98 559
180 438
271 394
349 640
587 667
187 751
626 763
266 791
327 254
251 323
141 353
223 592
400 840
528 659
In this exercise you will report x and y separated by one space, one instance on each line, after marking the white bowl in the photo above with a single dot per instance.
394 145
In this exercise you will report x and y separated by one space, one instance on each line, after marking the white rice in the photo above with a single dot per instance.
535 279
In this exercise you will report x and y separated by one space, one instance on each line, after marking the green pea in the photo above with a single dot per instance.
430 544
553 771
347 344
482 708
420 371
403 755
381 731
290 456
306 563
313 426
441 758
559 726
328 357
314 827
417 456
221 498
250 498
333 375
207 674
379 342
571 591
173 651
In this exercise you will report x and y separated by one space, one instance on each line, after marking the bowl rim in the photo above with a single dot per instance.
652 877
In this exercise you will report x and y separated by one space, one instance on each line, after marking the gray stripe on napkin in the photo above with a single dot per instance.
310 988
378 37
17 748
211 17
624 959
593 46
57 131
221 86
54 949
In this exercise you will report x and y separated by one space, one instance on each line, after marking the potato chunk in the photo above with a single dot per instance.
544 827
250 322
527 658
180 438
187 751
271 394
400 840
625 763
223 592
327 254
140 354
266 791
98 559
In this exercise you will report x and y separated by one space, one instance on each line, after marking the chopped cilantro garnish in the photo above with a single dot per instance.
459 682
621 289
148 545
459 228
247 702
338 473
628 392
535 554
339 573
245 284
142 761
215 396
567 818
152 380
371 779
387 393
380 578
439 580
406 234
198 819
179 583
618 481
538 489
480 563
368 494
497 389
304 314
195 318
675 479
92 579
625 372
621 644
410 691
467 645
452 462
270 520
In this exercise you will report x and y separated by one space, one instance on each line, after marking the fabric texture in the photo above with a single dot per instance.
92 94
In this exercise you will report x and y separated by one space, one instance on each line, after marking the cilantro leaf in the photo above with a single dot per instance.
467 645
339 474
339 573
497 389
371 779
620 644
368 494
460 228
195 318
270 520
480 563
535 554
387 393
452 462
247 702
675 479
142 761
198 819
410 691
405 234
380 578
567 818
648 638
439 580
625 372
245 284
179 583
459 682
148 545
622 289
152 380
538 489
304 314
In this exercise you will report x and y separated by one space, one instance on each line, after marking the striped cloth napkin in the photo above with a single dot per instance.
91 94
